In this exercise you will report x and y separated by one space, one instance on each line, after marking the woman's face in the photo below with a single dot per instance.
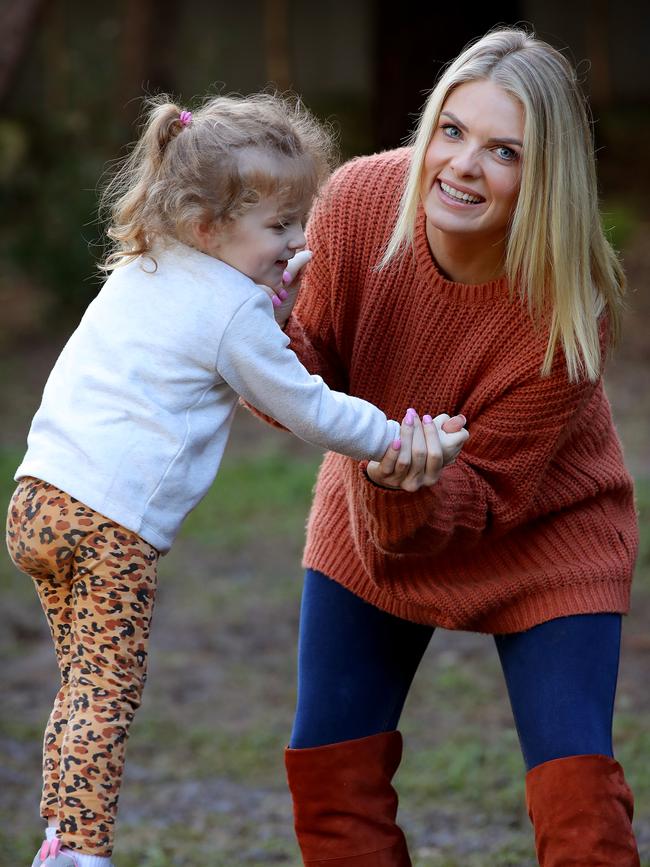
472 167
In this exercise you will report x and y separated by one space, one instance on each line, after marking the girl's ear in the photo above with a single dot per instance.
205 235
204 230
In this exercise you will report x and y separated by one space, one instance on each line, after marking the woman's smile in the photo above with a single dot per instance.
456 195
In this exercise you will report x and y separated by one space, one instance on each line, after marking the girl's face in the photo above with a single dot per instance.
260 242
472 167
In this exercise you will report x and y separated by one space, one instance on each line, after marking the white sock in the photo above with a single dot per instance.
50 831
88 860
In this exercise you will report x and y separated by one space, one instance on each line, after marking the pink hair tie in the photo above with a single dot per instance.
185 118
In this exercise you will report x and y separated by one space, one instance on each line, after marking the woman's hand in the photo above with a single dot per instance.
284 297
290 286
419 456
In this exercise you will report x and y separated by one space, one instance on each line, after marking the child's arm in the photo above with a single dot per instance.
254 359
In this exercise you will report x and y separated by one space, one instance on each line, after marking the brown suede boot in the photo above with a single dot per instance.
344 803
581 809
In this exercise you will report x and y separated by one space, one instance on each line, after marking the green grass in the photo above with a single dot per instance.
266 494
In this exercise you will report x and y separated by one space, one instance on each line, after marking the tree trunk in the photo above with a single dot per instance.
18 23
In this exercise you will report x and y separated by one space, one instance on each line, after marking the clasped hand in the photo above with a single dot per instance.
424 448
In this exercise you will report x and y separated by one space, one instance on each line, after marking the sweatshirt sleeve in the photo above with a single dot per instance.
501 479
255 360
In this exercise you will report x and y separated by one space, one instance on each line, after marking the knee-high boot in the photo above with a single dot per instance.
345 805
581 809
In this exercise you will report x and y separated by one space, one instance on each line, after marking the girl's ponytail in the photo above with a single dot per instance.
126 197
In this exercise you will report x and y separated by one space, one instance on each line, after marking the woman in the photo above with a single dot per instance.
471 270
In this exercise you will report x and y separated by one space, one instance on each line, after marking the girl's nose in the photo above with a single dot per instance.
297 239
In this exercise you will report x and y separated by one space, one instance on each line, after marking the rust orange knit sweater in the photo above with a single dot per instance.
536 519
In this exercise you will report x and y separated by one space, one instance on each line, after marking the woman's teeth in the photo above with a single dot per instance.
462 197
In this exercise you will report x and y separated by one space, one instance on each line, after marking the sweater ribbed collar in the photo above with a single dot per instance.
429 273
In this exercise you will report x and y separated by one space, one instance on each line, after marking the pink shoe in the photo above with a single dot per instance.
49 855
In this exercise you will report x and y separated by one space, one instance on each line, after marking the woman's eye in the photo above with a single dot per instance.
451 131
507 154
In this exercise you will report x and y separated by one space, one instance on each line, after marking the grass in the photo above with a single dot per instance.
262 495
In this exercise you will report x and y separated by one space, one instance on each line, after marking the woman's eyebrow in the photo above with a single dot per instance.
500 139
456 120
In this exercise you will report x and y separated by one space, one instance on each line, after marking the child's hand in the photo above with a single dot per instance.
418 457
452 435
288 292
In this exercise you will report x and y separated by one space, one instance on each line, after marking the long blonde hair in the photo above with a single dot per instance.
210 166
557 254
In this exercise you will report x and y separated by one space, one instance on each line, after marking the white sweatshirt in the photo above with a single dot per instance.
136 413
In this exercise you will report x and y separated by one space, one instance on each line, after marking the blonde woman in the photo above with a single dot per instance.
483 236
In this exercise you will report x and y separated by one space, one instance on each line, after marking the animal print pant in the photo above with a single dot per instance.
96 582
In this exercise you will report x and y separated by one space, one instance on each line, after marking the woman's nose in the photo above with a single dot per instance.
466 162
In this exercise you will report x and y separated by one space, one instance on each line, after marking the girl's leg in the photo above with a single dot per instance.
56 601
97 586
30 521
561 677
113 590
355 665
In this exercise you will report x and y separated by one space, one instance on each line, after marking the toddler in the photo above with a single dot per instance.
206 211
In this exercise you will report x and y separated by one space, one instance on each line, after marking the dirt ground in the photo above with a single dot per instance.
205 778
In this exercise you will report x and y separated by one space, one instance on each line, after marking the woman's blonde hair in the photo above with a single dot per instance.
557 254
210 165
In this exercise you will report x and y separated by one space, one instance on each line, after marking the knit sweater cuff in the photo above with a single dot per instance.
393 514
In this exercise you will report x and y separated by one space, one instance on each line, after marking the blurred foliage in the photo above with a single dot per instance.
619 220
71 114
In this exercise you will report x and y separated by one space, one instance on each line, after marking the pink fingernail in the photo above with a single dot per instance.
283 294
426 419
411 411
276 301
408 419
55 846
45 850
286 277
397 444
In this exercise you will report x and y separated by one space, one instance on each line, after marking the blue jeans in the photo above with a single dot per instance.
356 664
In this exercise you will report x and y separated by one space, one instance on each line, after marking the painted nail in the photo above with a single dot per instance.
411 411
426 419
283 293
408 419
286 277
397 444
275 301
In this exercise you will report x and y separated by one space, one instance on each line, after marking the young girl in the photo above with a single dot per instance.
137 410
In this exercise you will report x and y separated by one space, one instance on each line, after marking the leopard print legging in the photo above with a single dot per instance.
96 582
